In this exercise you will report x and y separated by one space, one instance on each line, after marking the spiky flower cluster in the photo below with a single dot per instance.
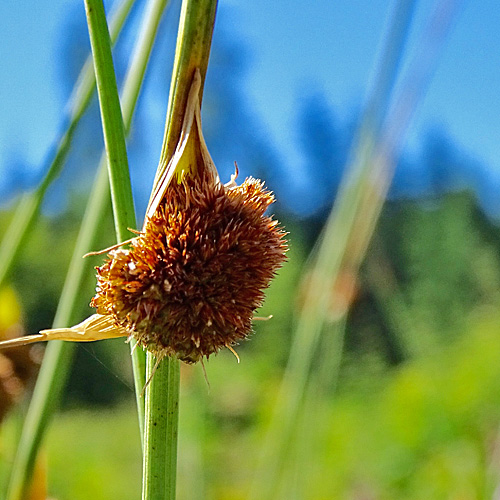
190 282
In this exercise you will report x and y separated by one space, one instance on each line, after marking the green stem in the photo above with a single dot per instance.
28 208
192 51
131 88
112 121
162 415
162 396
114 131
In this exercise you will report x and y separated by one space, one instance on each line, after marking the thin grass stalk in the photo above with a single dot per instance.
57 357
112 121
375 155
162 394
374 185
116 151
162 418
131 88
334 244
28 208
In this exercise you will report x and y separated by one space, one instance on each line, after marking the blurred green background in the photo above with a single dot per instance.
415 412
404 404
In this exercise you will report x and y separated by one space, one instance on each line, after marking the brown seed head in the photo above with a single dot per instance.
191 281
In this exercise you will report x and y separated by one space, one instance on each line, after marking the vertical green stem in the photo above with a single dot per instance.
162 395
162 414
131 88
112 121
116 150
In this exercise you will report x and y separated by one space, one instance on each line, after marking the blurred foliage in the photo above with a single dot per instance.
420 424
428 429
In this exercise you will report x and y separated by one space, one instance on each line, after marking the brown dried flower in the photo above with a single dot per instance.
191 280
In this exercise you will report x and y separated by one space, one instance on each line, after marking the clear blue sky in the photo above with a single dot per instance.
293 47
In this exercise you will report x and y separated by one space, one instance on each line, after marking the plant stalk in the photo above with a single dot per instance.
162 394
131 88
114 128
112 121
161 431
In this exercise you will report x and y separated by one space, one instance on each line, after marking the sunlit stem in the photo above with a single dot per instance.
162 394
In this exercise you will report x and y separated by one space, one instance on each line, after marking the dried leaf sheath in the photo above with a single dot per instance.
96 327
190 282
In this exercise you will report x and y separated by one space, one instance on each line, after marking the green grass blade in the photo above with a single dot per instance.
327 264
140 57
58 355
116 152
29 206
350 226
112 121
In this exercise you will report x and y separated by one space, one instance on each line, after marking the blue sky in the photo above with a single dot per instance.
336 51
294 48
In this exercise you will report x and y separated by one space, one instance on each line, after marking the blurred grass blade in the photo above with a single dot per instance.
378 167
379 100
327 264
58 355
192 52
28 207
350 226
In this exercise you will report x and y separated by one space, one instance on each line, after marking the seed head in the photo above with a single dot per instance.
191 281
